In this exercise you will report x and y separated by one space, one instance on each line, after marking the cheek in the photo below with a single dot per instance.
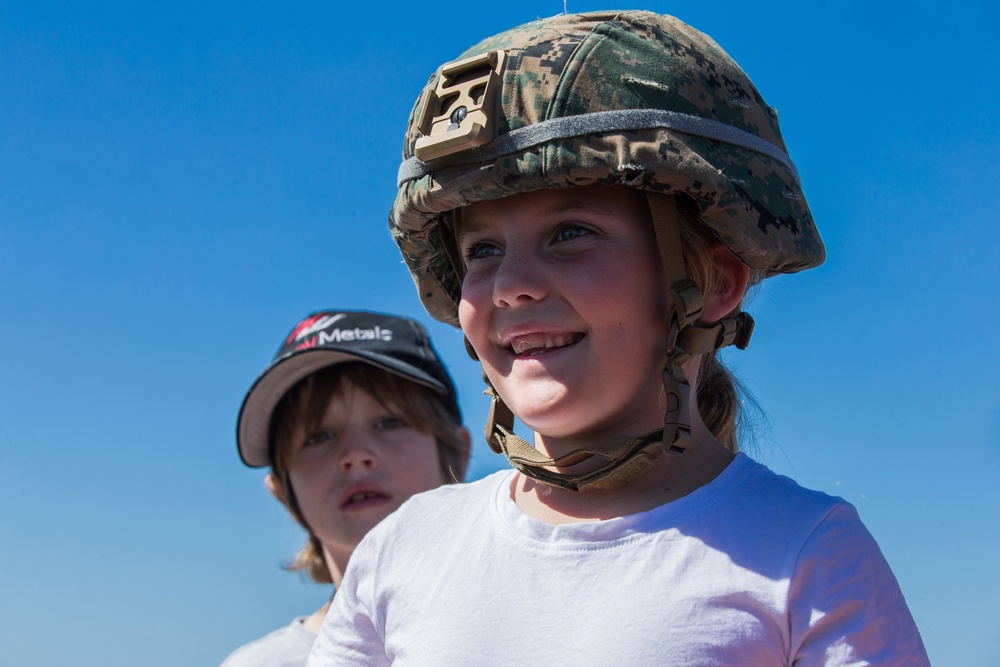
472 315
465 313
311 494
421 467
650 284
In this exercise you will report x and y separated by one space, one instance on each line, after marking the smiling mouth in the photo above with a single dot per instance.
531 345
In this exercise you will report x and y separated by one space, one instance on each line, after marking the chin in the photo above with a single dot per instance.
551 425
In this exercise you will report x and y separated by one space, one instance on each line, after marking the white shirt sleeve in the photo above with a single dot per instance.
845 606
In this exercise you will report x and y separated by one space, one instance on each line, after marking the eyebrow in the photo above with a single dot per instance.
582 205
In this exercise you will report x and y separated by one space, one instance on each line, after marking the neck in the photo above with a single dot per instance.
334 566
314 621
667 479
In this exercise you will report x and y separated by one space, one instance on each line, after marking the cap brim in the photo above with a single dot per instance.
254 422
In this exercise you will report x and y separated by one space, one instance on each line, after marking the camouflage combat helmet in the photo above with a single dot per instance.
615 98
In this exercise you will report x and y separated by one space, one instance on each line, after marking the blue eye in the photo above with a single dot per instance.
481 250
570 231
390 423
319 438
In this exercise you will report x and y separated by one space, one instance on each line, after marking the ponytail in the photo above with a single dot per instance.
719 400
720 396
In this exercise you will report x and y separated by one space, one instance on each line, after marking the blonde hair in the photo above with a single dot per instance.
720 396
302 409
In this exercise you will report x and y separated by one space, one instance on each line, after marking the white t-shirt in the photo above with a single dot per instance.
285 647
751 569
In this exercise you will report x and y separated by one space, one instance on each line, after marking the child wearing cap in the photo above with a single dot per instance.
589 198
355 414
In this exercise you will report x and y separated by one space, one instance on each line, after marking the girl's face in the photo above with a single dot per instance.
563 301
359 465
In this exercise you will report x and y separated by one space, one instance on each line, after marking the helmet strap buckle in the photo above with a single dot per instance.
499 420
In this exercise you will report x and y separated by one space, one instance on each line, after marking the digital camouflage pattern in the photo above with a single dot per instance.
578 64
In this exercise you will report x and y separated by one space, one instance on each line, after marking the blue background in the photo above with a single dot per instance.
180 182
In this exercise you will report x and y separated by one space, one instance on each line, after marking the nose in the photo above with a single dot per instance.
518 279
358 452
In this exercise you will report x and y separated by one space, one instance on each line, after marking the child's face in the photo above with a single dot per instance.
359 465
564 304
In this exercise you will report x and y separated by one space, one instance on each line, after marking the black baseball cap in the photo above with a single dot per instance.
330 337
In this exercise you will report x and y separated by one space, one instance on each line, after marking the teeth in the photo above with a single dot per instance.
530 345
361 496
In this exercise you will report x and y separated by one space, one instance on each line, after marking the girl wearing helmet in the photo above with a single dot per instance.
589 198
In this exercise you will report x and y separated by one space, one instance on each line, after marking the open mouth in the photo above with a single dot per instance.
363 498
532 345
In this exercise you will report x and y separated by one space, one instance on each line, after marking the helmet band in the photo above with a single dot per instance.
622 120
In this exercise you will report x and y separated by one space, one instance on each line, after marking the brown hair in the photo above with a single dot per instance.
302 409
721 397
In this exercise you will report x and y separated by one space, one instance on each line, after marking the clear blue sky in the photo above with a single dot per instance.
179 182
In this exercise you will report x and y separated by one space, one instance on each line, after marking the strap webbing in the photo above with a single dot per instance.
663 209
622 120
532 463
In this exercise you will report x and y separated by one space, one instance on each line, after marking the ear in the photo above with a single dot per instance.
731 278
274 485
466 440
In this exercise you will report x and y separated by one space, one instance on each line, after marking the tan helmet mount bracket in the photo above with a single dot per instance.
458 113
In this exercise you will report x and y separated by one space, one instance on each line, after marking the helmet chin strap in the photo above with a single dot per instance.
628 457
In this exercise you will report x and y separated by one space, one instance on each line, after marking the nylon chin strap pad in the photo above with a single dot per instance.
624 458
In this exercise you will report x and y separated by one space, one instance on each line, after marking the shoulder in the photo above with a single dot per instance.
431 535
427 521
481 489
285 647
812 522
444 505
820 518
842 598
783 499
761 519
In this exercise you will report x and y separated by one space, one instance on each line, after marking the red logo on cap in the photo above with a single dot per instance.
311 325
306 344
